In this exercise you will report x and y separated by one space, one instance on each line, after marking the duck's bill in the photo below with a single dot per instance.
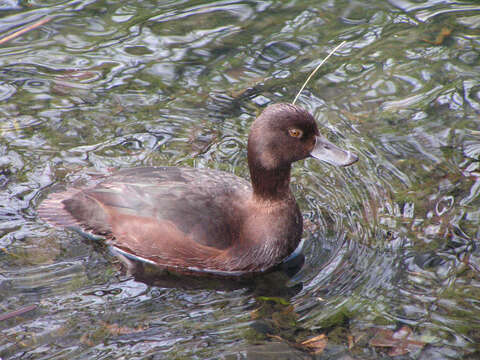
326 151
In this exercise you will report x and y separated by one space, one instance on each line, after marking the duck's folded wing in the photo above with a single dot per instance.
158 215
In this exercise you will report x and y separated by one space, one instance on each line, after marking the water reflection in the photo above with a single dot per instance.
274 283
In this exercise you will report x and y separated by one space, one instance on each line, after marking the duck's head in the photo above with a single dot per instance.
286 133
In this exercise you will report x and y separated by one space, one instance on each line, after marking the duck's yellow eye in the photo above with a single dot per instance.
296 133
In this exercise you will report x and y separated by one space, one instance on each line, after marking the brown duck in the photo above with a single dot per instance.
205 221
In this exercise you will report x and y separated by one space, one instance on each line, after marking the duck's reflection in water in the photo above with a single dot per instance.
276 282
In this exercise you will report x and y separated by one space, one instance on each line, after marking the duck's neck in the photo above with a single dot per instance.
270 184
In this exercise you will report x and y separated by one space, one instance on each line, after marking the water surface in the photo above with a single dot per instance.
391 244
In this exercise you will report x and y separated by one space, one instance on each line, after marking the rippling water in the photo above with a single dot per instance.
390 242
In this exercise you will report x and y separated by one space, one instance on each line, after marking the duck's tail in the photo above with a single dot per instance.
52 210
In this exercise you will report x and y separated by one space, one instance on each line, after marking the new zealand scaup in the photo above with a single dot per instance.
205 221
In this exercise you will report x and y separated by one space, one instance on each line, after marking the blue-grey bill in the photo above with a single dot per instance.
326 151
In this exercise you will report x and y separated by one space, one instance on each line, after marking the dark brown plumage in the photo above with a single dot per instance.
201 220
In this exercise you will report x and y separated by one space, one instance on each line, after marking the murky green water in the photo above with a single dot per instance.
392 241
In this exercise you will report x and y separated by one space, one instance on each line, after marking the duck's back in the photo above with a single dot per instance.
141 206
